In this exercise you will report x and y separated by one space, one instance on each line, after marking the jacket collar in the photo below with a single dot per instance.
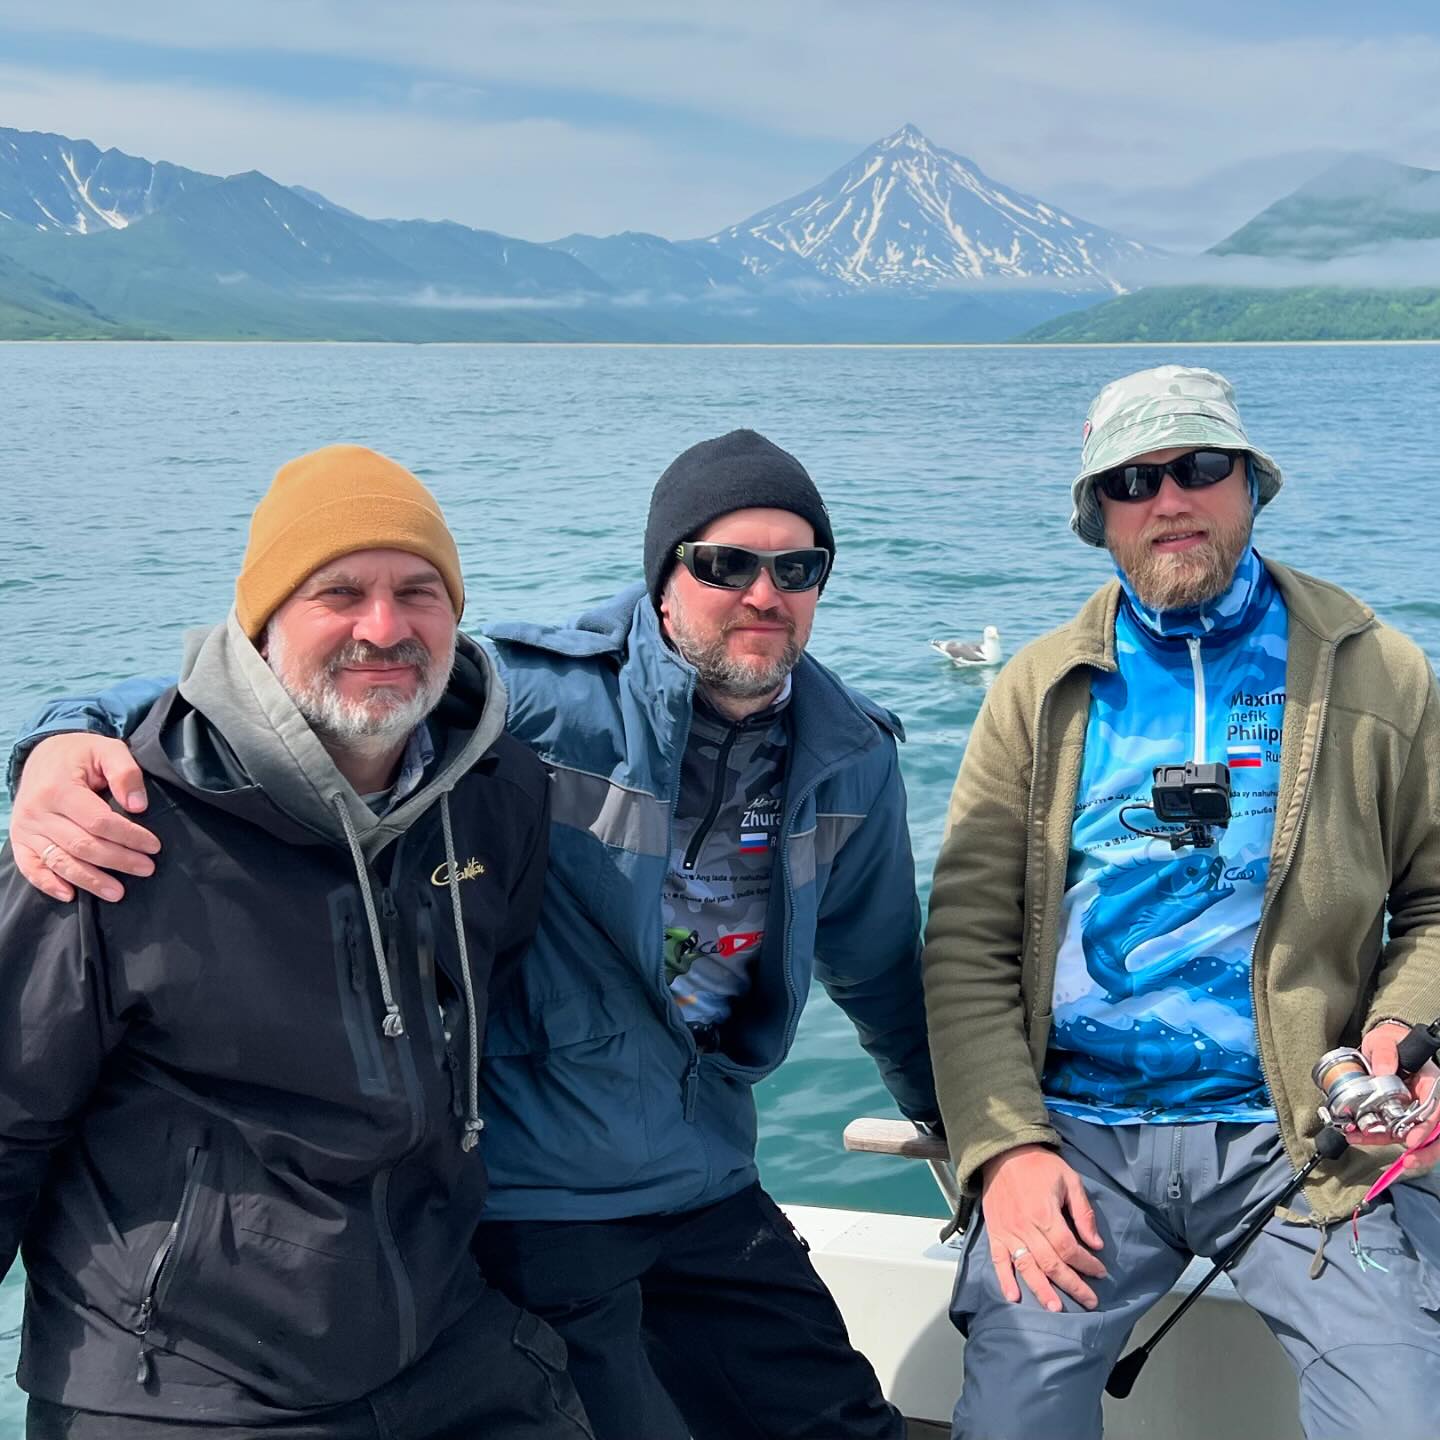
1327 611
831 721
604 629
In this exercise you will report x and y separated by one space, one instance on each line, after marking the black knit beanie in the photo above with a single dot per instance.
738 471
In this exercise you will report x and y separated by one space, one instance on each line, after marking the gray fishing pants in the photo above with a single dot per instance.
1365 1343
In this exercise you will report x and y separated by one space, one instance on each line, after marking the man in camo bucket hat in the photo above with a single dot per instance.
1154 410
1124 1016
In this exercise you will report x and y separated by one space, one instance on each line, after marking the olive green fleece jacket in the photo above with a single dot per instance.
1357 833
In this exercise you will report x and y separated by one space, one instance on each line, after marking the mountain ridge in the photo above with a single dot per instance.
906 243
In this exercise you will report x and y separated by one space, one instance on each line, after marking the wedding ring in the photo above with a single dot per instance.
45 855
1015 1255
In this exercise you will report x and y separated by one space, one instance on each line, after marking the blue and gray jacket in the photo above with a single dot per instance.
597 1102
600 1104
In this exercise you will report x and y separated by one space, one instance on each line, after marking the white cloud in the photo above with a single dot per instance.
537 179
1038 95
1390 265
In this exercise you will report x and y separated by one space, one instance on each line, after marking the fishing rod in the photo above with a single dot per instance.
1357 1101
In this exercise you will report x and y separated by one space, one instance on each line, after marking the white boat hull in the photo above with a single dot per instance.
1221 1372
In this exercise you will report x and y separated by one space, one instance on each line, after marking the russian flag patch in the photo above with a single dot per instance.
1243 757
751 840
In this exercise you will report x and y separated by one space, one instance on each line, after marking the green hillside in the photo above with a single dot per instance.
1205 312
1360 204
34 307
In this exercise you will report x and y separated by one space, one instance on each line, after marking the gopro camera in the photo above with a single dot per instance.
1192 794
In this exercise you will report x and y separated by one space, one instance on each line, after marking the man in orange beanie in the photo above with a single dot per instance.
249 1099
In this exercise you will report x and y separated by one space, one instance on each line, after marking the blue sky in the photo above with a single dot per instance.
540 117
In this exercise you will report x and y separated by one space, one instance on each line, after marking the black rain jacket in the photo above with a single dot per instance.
235 1195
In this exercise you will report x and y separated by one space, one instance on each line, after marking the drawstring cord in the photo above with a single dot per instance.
473 1123
394 1023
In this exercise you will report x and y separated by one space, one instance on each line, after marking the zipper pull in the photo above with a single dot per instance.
692 1087
387 904
142 1329
1173 1190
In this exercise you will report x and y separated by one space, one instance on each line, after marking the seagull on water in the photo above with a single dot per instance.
962 652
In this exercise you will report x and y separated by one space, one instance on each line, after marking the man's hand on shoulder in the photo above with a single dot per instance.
1026 1195
1378 1047
63 833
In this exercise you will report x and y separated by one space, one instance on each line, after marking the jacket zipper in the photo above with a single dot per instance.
357 964
1279 880
380 1187
1174 1190
689 1082
158 1268
1033 919
717 791
429 962
1198 670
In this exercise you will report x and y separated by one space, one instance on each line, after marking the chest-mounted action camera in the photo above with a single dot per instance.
1195 796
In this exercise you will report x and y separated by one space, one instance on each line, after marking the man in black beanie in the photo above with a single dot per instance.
729 825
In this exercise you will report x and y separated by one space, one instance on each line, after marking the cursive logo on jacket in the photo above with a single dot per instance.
468 871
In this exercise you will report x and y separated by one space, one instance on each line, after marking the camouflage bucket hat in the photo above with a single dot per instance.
1172 405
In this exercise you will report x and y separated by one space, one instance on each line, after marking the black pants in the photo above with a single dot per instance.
497 1374
711 1324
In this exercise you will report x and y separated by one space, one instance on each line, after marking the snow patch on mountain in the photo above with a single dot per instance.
907 214
52 183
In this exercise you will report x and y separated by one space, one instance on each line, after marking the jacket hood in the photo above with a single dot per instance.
261 741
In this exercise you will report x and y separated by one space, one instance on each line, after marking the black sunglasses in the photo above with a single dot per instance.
1192 471
733 567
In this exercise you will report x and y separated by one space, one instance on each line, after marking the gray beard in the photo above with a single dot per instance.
361 727
720 673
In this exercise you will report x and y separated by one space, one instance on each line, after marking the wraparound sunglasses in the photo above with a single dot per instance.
734 567
1195 470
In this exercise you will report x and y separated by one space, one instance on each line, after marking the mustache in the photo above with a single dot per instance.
749 615
1170 532
361 652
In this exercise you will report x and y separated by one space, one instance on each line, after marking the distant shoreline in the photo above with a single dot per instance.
763 345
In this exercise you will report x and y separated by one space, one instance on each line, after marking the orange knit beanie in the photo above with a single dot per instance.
329 503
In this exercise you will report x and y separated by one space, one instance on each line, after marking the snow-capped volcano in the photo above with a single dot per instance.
907 214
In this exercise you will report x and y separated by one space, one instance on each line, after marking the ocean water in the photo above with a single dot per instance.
128 472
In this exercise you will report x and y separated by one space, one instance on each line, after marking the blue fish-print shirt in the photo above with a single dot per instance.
1153 1015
